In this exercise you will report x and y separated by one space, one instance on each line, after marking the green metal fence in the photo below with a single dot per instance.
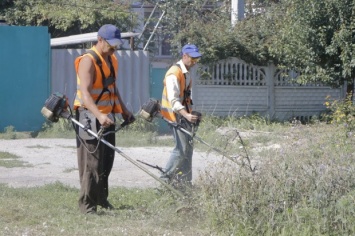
24 76
156 90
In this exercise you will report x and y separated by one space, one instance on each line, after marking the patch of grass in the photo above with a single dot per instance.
7 155
9 160
14 163
139 212
68 170
64 146
303 184
11 133
38 146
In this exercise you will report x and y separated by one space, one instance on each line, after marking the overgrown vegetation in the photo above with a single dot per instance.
11 133
61 129
342 112
304 186
314 38
302 183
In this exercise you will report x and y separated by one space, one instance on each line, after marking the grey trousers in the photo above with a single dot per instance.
95 162
179 166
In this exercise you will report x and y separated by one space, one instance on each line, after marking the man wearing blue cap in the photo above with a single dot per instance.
96 102
176 107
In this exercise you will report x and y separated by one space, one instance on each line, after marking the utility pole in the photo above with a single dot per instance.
237 11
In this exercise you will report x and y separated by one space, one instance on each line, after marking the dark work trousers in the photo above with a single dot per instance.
95 161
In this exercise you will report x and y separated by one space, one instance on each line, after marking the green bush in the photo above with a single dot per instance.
61 129
11 133
342 112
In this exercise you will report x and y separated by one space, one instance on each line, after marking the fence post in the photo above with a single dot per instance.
269 74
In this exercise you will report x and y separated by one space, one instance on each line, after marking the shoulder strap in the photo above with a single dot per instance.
105 81
178 65
187 92
98 61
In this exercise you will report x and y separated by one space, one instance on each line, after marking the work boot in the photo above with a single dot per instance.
166 178
107 205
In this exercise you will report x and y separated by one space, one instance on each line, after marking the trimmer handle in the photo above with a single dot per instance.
130 120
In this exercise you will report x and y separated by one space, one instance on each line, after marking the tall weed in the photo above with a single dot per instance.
305 187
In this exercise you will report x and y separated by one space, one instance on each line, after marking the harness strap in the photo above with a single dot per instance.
105 81
186 92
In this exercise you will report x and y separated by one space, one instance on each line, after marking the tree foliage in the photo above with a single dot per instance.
316 38
67 17
208 25
187 21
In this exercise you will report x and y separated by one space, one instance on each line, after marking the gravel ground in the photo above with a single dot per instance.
54 160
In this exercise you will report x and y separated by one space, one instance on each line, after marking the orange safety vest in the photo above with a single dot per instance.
108 101
166 108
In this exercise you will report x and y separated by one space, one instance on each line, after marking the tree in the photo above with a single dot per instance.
208 25
314 37
67 17
317 38
183 20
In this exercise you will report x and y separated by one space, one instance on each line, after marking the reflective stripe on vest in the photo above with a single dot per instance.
109 101
166 108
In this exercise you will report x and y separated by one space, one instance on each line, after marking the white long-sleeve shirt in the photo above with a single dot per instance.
173 88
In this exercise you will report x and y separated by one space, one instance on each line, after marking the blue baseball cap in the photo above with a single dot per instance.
111 34
191 50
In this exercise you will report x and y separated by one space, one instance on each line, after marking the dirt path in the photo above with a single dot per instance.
54 160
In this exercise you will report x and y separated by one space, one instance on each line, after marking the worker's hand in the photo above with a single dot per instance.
191 118
105 120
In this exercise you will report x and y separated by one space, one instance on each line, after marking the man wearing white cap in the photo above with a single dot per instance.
96 103
176 107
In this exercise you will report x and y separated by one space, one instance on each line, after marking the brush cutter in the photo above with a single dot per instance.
151 109
56 106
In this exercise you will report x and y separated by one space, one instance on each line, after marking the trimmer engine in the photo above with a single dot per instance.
55 107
